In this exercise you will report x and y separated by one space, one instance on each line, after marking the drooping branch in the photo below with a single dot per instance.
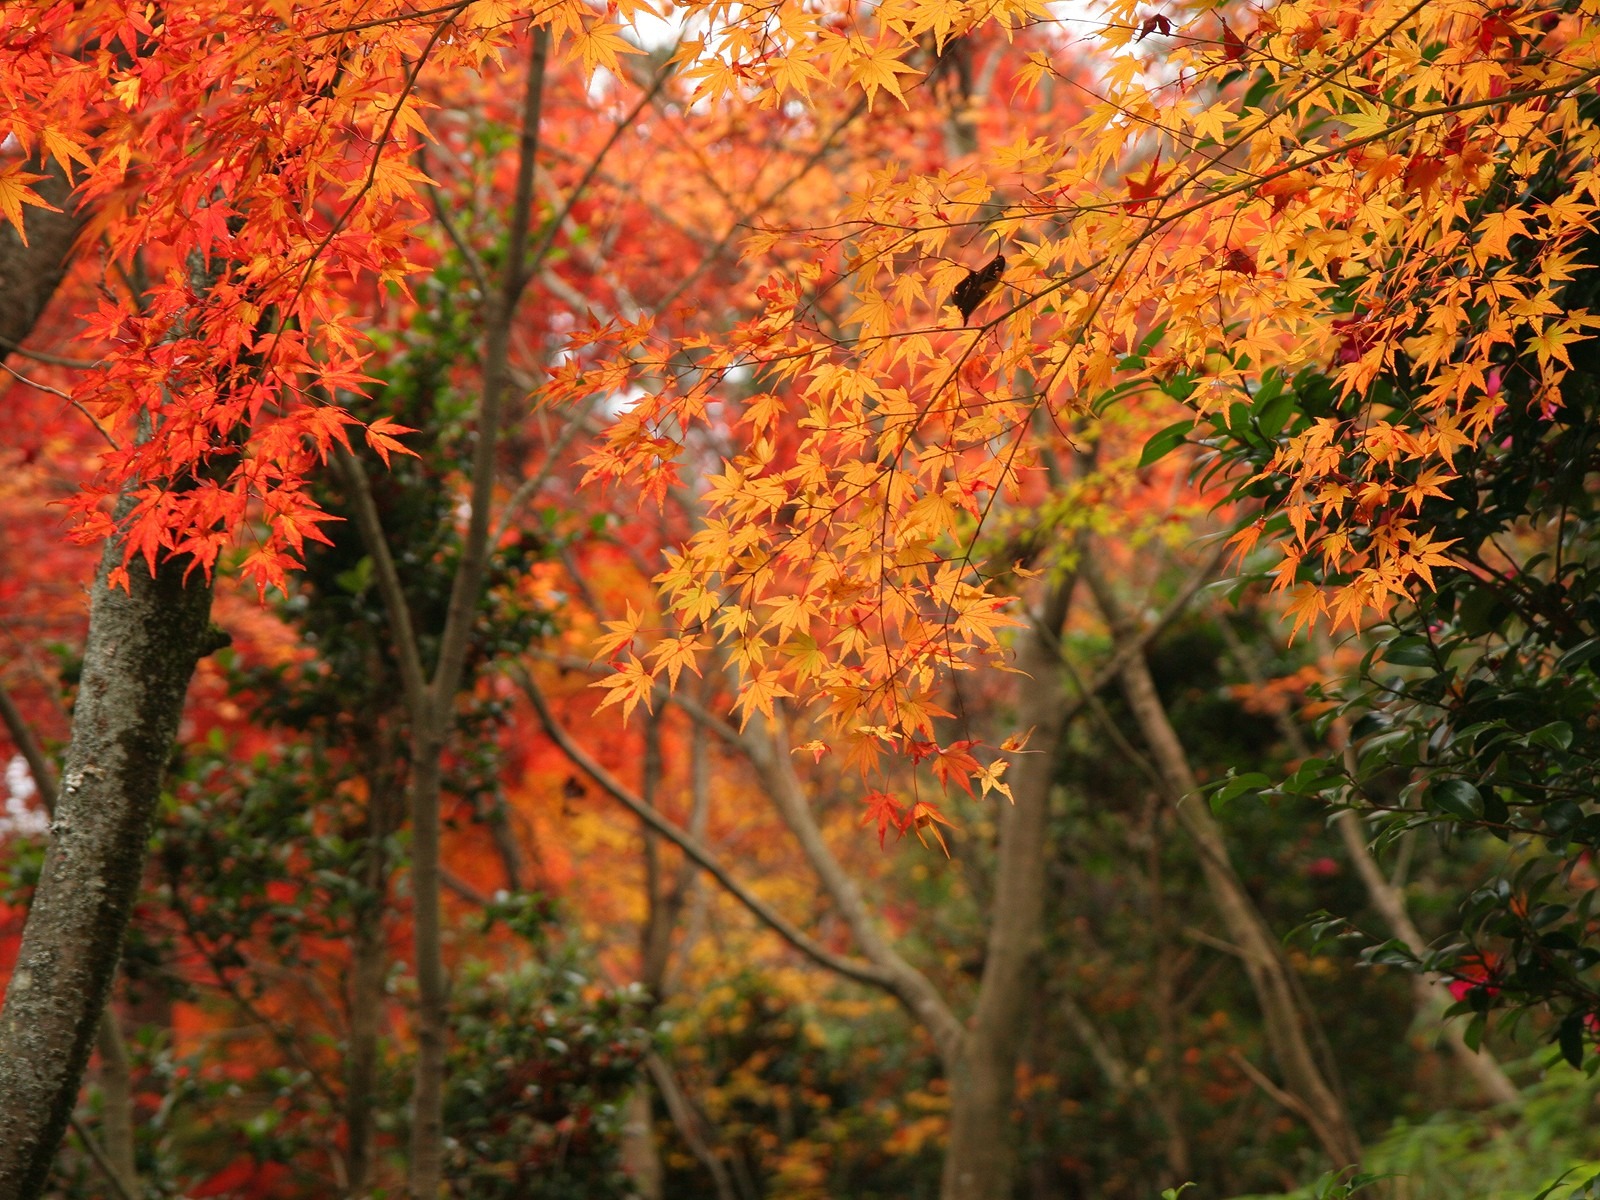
854 969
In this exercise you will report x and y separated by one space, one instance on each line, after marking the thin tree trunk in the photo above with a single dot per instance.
1282 1015
641 1161
1428 991
431 700
981 1157
116 1092
1166 1096
141 652
367 970
857 969
690 1126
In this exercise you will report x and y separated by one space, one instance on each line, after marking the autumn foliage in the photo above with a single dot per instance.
839 341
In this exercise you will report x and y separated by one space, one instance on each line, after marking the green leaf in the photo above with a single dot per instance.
1555 736
1272 416
1570 1039
1456 798
1409 652
1236 786
1578 655
1165 442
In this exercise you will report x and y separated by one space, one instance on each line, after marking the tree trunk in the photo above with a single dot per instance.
116 1089
981 1158
1431 993
369 968
142 648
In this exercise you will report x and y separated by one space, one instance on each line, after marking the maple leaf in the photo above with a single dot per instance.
1306 604
989 780
878 67
630 685
814 748
884 811
15 192
924 820
622 633
380 438
759 695
1240 261
1016 742
1233 46
1142 191
598 46
955 761
1155 23
673 654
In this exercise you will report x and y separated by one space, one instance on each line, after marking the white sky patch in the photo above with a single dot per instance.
20 816
602 86
617 403
659 32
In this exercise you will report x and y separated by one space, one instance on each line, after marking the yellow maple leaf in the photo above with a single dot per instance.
630 685
15 192
598 46
877 67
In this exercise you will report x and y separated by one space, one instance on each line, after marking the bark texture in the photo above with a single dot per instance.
981 1159
142 649
30 274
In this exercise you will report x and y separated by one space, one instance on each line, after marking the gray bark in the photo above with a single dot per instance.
142 648
29 274
981 1159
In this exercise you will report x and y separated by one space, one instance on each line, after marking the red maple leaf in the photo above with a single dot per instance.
1141 191
885 810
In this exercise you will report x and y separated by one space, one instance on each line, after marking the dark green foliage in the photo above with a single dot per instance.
543 1062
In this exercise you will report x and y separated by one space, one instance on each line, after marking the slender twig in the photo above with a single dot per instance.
1136 641
576 423
553 226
